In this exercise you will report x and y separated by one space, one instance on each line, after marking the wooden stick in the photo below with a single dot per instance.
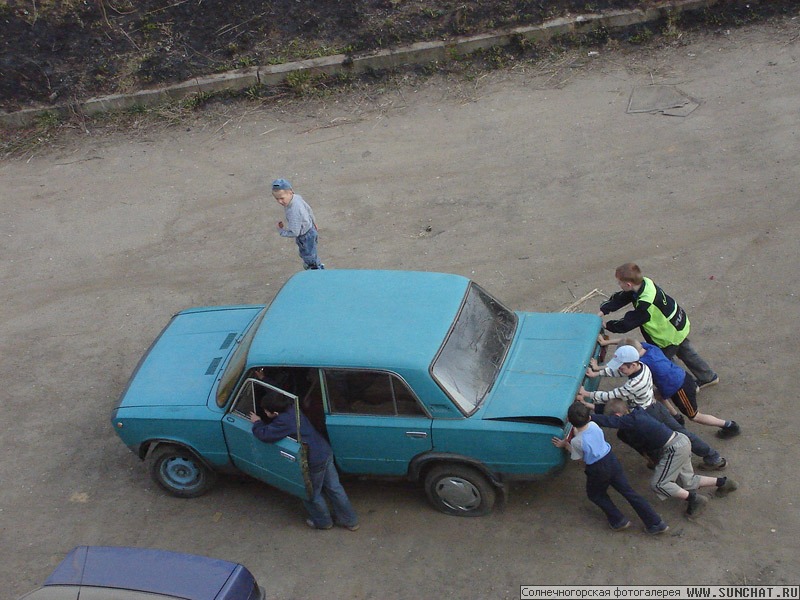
579 301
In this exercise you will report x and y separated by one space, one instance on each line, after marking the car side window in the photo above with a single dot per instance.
369 393
245 402
302 382
252 394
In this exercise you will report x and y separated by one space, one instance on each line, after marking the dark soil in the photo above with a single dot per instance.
57 51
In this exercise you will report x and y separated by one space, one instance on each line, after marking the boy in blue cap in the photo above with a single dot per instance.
300 223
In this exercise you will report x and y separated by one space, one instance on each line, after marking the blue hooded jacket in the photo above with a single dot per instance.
667 376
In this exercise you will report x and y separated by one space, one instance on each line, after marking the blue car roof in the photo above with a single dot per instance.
145 569
372 319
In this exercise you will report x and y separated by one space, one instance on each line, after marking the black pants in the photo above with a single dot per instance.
608 472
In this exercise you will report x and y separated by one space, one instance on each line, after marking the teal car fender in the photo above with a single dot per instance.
195 428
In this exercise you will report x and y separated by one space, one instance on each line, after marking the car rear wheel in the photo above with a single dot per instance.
459 490
180 472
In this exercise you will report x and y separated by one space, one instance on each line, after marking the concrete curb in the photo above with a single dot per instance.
419 53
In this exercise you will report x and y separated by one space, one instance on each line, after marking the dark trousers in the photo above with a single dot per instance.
701 370
608 472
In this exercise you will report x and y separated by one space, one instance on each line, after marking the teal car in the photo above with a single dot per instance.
414 375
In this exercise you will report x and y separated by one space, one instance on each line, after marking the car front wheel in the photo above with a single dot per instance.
180 472
459 490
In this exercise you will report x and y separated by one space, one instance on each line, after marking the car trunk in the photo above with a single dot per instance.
545 366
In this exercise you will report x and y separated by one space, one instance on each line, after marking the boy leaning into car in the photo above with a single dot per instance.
324 478
603 470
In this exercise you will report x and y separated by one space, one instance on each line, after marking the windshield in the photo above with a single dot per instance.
470 359
238 362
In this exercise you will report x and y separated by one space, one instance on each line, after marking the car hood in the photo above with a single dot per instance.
181 366
545 367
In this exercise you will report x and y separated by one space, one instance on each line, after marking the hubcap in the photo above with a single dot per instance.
180 472
458 494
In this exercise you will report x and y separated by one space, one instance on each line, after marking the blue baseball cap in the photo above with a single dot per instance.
281 184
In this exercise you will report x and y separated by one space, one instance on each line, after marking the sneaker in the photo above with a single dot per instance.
620 527
348 527
657 529
717 466
310 523
696 506
713 381
726 488
731 431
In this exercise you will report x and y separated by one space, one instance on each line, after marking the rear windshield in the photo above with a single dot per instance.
472 354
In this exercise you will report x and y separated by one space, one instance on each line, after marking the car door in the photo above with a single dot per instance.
282 464
374 422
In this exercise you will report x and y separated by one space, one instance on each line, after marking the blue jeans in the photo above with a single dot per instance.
608 472
307 244
325 483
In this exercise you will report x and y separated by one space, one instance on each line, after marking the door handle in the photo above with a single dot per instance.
417 434
288 456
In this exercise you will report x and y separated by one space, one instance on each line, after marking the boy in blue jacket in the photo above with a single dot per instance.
676 385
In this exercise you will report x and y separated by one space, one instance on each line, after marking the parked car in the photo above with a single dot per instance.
418 375
103 572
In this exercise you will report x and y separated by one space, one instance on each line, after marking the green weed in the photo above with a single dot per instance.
431 13
48 120
196 100
642 36
671 28
304 83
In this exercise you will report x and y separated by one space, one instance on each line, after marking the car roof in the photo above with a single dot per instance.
144 569
359 318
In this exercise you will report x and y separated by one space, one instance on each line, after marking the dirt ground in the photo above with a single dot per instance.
536 183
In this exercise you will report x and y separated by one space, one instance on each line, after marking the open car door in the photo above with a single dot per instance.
283 464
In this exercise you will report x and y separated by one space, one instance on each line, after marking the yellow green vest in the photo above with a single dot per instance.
668 324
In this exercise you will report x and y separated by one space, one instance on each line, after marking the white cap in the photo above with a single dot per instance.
624 354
